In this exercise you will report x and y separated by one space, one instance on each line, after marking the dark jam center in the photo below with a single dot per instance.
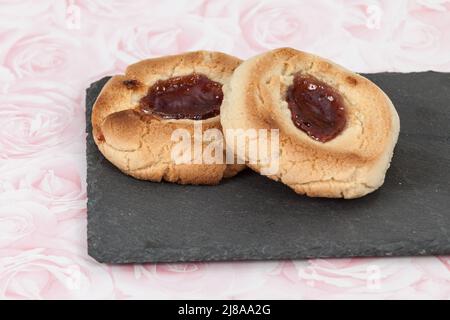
194 97
316 108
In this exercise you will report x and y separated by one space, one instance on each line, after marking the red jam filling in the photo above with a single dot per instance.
316 108
193 97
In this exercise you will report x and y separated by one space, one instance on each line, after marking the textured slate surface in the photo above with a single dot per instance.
250 217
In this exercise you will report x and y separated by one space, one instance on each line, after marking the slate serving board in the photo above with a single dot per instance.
251 217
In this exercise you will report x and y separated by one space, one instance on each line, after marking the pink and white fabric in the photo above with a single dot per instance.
51 50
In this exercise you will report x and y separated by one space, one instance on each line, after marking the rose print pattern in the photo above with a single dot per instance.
51 50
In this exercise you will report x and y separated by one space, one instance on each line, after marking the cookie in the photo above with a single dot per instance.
337 130
137 114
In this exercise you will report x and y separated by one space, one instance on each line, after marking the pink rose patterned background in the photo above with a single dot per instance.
51 50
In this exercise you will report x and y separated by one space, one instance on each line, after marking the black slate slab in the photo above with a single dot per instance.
250 217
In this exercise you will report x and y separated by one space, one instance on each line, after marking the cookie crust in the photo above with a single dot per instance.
140 146
352 164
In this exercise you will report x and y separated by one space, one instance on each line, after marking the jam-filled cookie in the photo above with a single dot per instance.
136 116
337 130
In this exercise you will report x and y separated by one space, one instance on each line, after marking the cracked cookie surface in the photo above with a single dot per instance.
139 144
351 164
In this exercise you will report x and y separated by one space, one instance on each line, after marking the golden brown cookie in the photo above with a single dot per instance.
337 130
136 114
